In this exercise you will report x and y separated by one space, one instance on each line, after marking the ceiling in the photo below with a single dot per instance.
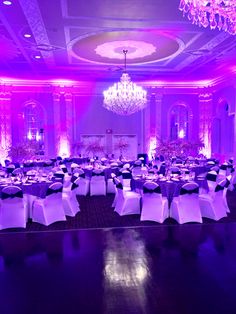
79 39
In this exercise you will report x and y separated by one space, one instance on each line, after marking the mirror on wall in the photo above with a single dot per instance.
179 122
34 124
223 128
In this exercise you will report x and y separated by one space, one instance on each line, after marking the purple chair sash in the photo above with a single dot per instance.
6 195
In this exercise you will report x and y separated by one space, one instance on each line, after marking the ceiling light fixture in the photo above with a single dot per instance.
125 97
7 2
37 57
26 35
219 14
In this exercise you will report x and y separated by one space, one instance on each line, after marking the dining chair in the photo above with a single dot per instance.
186 207
49 209
13 208
154 205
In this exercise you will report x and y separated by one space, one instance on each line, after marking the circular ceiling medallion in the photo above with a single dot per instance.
144 46
114 49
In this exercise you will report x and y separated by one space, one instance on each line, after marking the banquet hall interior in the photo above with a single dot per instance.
117 156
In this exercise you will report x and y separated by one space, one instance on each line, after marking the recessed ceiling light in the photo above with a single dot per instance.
7 2
37 57
26 35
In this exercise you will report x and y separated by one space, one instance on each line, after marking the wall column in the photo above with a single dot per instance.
146 124
158 98
152 123
69 119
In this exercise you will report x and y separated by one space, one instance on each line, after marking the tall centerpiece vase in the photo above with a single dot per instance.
167 167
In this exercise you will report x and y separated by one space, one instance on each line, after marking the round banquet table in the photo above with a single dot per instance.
169 189
38 189
107 172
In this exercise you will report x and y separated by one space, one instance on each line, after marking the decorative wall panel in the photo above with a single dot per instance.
124 145
94 145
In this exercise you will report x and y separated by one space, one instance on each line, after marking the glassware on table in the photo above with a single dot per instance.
191 176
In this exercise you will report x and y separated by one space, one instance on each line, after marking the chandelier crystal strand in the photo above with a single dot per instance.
219 14
125 97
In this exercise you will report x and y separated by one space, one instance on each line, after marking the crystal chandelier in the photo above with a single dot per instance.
219 14
125 97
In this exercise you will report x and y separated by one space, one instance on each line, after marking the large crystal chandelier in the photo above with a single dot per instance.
125 97
219 14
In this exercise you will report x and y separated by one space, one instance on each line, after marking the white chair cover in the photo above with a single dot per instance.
214 205
98 183
13 209
211 163
63 168
31 172
127 203
137 171
70 202
111 187
73 166
126 178
154 206
10 168
186 207
211 178
223 169
83 188
59 174
49 209
175 171
232 181
17 171
115 182
126 166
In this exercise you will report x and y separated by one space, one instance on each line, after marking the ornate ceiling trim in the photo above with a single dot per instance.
35 21
208 46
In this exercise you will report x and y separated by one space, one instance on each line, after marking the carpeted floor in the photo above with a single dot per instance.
96 212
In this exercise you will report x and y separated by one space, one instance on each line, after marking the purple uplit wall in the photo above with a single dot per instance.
192 104
70 110
92 118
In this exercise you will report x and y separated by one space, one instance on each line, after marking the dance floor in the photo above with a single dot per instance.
150 268
165 269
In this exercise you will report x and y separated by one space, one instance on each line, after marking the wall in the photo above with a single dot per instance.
92 118
191 100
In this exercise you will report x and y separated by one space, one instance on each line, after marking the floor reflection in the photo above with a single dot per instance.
164 269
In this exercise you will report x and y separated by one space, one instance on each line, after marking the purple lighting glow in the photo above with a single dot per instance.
63 146
181 134
7 2
152 147
26 35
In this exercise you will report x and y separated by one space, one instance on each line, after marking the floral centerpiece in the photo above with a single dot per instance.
121 145
94 147
22 151
178 148
77 148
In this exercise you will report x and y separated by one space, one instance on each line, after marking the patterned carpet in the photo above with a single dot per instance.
96 212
